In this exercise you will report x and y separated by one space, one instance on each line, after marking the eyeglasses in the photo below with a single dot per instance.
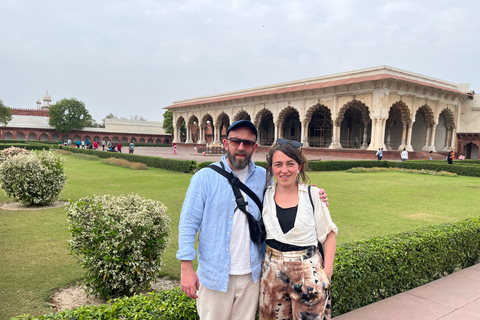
235 142
294 143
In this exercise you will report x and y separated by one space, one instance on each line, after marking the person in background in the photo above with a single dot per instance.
404 155
295 278
78 143
131 147
119 147
103 145
450 157
95 145
194 149
174 148
461 156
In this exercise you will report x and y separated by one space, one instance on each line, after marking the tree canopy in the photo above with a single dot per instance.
5 114
168 121
69 114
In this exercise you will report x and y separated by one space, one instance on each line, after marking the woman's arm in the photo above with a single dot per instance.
329 247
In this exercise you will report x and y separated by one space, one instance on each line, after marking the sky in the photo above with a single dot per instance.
137 57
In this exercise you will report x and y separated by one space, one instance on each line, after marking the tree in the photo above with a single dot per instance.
69 114
108 116
5 114
137 118
168 122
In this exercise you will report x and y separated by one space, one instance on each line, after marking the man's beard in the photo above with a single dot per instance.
239 163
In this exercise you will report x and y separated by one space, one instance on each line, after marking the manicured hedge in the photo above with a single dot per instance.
372 270
185 166
164 305
28 146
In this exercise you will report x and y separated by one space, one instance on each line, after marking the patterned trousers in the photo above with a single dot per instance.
294 286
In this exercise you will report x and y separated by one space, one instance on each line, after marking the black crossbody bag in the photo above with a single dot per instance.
256 227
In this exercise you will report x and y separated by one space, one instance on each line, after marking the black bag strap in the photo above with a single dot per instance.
320 246
236 184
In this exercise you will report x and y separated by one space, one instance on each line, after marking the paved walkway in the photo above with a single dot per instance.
455 297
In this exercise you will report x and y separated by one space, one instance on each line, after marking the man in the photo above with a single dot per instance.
131 146
404 155
229 263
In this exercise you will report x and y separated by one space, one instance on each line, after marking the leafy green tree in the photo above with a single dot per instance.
5 114
168 122
69 114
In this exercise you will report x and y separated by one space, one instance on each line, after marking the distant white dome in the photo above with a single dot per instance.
46 97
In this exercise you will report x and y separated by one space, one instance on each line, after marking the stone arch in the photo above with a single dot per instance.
396 125
55 137
471 150
208 128
222 124
20 135
44 137
289 124
424 119
124 140
115 139
76 138
96 138
8 135
165 141
265 126
134 140
180 129
355 125
242 115
150 141
87 137
192 129
106 139
158 141
141 140
320 126
32 136
444 128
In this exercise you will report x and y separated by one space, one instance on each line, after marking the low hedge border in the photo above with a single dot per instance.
364 272
31 141
185 166
28 146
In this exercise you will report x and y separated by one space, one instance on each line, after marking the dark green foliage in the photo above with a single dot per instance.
164 305
204 164
372 270
5 114
168 122
68 114
185 166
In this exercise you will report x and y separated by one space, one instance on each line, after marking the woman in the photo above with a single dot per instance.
295 281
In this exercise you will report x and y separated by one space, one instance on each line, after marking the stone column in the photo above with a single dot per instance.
409 138
189 135
448 143
201 134
176 137
304 134
453 141
382 132
335 138
374 142
389 133
427 139
432 140
404 137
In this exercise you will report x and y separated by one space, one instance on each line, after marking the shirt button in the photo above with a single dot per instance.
227 249
230 216
228 232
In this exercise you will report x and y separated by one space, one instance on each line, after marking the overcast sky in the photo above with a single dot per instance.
137 57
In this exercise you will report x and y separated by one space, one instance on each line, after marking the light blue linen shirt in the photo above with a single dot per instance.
208 207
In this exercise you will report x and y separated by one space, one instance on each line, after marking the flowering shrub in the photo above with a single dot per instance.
35 178
12 151
119 241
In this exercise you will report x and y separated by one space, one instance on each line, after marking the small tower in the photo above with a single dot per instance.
38 104
46 101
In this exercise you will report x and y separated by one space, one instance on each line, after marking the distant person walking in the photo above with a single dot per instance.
450 158
103 145
95 145
174 148
119 147
194 149
379 154
404 155
131 146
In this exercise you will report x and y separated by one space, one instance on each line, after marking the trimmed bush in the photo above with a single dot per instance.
33 179
28 146
12 151
164 305
119 241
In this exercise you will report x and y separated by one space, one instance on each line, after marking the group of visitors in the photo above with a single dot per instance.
112 147
278 252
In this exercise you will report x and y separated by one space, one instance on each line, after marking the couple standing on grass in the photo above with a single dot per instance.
293 280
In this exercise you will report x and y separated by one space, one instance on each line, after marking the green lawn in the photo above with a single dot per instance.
34 258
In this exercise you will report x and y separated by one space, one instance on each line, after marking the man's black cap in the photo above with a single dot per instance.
243 123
